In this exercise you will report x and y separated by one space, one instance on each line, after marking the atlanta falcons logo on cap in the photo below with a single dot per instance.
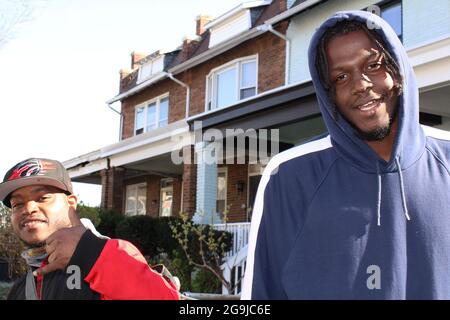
32 167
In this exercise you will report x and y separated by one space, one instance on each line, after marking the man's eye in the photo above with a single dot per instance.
374 66
44 198
16 205
340 78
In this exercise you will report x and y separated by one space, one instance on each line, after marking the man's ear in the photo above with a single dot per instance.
72 200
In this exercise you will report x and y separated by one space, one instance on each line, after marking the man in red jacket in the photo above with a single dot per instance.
67 258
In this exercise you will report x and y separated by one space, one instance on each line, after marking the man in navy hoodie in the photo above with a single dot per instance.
363 212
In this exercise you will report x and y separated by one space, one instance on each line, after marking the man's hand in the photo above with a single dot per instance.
60 247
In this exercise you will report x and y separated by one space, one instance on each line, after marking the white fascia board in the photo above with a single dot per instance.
139 87
433 75
88 157
169 132
156 148
172 135
432 50
87 169
232 12
216 50
292 11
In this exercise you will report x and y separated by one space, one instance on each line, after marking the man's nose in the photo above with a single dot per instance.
30 207
361 83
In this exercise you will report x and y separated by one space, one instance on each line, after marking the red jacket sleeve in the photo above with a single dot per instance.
122 273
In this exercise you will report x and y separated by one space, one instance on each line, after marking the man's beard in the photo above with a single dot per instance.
379 133
376 135
33 245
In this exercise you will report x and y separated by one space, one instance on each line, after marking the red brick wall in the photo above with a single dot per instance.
153 195
112 196
177 104
271 65
271 73
236 201
176 202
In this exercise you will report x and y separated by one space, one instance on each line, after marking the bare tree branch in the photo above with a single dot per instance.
209 247
12 14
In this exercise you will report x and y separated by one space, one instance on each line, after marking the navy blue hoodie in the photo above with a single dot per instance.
333 220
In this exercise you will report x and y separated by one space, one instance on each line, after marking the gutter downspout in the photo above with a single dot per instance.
188 91
121 120
269 27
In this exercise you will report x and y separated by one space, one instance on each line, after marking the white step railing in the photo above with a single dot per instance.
233 271
234 260
240 232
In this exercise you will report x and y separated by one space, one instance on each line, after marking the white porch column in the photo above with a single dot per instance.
206 153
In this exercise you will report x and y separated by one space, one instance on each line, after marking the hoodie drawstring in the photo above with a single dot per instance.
379 196
402 190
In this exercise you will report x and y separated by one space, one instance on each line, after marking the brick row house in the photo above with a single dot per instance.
242 85
232 62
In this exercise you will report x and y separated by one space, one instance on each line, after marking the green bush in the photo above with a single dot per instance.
10 245
142 232
178 266
189 234
91 213
109 219
155 239
205 281
152 236
165 242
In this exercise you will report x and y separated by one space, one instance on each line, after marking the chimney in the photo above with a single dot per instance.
202 20
135 57
187 47
124 73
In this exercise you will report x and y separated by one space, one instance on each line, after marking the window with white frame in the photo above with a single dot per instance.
151 115
232 82
136 199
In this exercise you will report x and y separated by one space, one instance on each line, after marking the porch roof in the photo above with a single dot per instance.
137 149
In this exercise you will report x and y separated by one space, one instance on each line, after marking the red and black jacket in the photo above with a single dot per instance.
110 270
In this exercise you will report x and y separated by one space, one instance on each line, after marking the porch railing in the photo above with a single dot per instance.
234 261
240 232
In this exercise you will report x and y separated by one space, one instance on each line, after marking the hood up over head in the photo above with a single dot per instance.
410 139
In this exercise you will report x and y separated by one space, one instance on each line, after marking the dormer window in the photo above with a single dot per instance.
150 68
226 30
232 82
234 22
152 114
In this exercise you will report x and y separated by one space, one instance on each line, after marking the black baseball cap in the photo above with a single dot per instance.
34 171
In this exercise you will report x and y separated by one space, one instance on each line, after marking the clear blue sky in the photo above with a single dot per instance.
59 68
